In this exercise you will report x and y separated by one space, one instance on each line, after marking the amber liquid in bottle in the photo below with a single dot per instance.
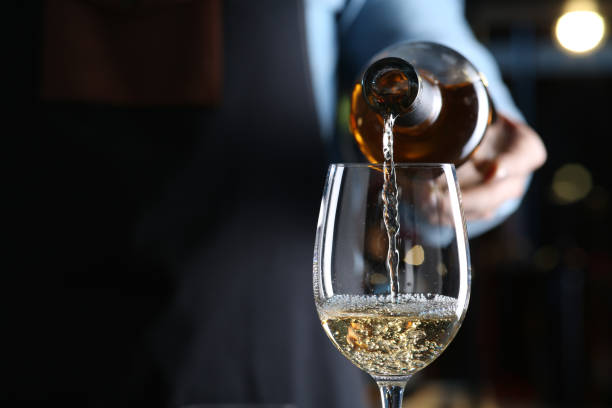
451 137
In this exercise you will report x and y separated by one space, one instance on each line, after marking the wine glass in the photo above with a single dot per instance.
391 333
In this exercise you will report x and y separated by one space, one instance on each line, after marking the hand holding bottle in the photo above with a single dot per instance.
501 167
444 114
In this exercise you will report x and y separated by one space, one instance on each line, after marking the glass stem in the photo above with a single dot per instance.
391 395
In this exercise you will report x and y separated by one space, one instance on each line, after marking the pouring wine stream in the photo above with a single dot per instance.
390 209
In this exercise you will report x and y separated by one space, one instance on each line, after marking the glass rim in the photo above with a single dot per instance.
398 165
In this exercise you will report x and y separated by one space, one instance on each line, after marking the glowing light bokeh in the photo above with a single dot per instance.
572 182
580 31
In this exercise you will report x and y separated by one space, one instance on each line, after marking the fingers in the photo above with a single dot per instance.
522 153
481 202
475 172
509 149
499 170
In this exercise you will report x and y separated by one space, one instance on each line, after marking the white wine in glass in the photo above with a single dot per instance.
391 334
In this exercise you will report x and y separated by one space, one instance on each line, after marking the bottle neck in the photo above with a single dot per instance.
426 106
392 86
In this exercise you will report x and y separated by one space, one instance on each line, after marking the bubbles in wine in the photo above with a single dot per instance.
390 335
416 304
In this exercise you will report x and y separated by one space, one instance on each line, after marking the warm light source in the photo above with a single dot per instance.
581 28
571 182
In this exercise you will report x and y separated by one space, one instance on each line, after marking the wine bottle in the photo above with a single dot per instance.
438 98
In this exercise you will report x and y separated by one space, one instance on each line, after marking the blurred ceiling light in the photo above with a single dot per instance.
415 255
581 28
571 183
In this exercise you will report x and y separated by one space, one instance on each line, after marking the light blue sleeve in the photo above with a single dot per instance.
322 50
375 24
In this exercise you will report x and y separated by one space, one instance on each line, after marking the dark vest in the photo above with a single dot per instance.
174 243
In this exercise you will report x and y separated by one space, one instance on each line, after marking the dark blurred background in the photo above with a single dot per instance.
541 312
538 332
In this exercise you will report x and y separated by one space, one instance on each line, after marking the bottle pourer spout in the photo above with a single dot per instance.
390 86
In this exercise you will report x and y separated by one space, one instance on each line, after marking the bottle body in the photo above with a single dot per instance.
445 120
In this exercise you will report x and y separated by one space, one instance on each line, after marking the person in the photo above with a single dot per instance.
180 155
498 174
